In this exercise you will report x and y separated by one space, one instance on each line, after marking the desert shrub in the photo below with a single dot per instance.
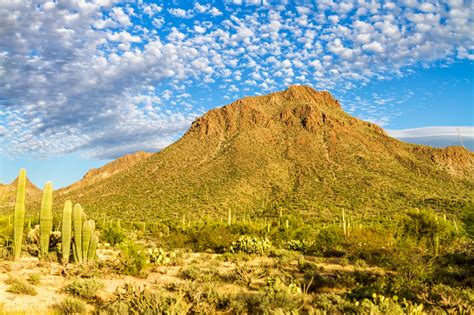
203 298
84 288
450 300
130 299
456 266
20 286
195 273
279 297
247 276
468 220
333 304
34 278
251 245
113 235
425 228
132 259
190 273
380 304
71 306
214 237
302 246
330 242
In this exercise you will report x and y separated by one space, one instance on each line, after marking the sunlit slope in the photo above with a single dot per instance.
295 150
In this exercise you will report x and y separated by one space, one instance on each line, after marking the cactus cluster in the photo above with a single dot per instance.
84 241
76 230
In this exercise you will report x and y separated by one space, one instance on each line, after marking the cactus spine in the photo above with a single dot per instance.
77 223
19 214
46 218
66 231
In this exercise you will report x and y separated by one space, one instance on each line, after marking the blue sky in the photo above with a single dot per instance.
83 82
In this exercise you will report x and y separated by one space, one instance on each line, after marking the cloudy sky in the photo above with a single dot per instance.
83 82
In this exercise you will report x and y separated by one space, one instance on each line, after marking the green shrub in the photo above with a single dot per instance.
113 235
19 286
132 259
330 242
71 306
299 246
278 297
84 288
34 278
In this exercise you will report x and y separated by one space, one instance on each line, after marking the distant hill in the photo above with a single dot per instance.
109 169
8 195
294 150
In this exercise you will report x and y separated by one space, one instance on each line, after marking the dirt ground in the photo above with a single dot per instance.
50 288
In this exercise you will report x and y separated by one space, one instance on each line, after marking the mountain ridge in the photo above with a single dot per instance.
295 150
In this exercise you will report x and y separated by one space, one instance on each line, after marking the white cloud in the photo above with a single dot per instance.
373 46
74 77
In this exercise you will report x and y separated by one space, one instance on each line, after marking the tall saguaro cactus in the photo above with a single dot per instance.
19 214
46 218
77 223
66 231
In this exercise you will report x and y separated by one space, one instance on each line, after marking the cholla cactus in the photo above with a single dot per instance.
19 215
46 218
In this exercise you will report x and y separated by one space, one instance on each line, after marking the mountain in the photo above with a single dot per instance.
8 194
294 150
109 169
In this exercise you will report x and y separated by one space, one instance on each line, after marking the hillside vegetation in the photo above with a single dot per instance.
294 150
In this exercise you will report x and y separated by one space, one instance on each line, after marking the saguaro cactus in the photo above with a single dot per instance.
19 214
92 247
46 218
66 231
77 223
344 223
87 232
229 217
